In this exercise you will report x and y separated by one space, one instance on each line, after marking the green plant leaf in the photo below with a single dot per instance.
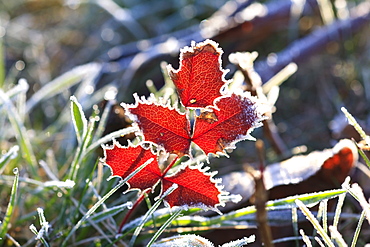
79 119
10 208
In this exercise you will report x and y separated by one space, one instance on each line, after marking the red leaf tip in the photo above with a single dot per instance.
200 78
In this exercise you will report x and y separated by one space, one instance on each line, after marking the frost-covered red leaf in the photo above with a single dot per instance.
162 125
200 78
196 188
125 160
234 119
214 131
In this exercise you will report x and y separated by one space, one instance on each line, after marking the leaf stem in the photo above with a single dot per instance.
129 213
173 162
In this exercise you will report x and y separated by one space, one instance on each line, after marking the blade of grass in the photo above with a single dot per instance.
314 222
337 237
21 87
305 239
78 118
44 228
102 200
324 209
310 199
11 206
109 213
81 150
163 227
280 77
240 242
150 212
340 203
357 127
356 191
21 132
358 229
363 155
295 224
11 154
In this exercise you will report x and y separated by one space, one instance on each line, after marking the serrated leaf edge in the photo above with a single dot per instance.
129 145
191 49
151 100
222 196
258 108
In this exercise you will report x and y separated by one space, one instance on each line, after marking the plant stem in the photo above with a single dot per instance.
129 213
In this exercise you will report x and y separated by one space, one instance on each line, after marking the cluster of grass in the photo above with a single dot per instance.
53 188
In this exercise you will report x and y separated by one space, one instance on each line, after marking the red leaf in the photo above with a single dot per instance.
196 188
162 125
215 131
124 160
200 78
234 119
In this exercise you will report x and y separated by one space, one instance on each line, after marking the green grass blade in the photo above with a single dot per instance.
20 131
11 154
163 227
78 119
109 212
357 127
340 203
10 208
149 213
310 199
363 155
358 229
83 144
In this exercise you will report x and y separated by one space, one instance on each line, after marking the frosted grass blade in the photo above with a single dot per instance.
78 119
20 131
315 223
163 227
150 212
10 208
